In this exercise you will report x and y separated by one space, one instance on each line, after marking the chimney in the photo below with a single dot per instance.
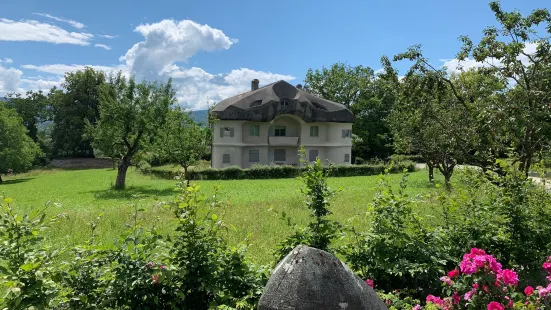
254 84
299 86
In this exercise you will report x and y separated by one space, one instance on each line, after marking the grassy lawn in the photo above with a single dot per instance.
83 194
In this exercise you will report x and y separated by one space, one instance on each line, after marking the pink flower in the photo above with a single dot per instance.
150 264
162 266
485 289
475 286
495 265
155 279
370 283
508 277
528 291
475 251
417 307
510 303
494 305
544 291
467 267
388 302
447 280
469 295
547 266
435 300
453 273
456 298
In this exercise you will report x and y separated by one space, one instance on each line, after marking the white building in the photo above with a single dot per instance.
268 125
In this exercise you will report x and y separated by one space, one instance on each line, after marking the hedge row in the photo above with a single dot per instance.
279 172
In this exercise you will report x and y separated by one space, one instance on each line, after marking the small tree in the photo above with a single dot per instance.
17 149
321 230
131 115
182 140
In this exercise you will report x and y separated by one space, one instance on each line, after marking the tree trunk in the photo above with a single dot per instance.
121 174
185 172
1 179
431 171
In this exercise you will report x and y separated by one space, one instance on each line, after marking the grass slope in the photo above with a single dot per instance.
83 194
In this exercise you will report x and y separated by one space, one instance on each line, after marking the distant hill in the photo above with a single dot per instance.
200 116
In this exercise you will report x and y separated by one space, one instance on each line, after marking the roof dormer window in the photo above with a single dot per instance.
318 106
284 103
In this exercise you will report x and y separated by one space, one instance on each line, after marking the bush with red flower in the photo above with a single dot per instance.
480 282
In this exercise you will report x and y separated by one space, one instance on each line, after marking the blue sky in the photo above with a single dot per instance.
213 49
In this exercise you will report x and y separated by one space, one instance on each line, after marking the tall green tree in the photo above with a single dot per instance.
17 149
425 108
518 53
72 108
131 116
182 140
33 107
369 97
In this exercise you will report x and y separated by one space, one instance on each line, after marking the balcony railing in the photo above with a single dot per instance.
283 141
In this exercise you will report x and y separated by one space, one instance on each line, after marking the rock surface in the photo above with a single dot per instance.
308 278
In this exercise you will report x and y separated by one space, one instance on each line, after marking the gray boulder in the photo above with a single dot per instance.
308 278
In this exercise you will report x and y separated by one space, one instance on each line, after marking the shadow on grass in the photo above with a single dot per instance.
22 180
133 192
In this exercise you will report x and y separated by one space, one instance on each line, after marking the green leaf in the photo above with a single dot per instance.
214 217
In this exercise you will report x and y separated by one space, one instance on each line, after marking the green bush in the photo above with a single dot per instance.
280 172
192 268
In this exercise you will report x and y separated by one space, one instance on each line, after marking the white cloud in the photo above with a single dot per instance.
61 69
31 30
6 60
68 21
10 78
105 47
197 88
168 42
157 57
106 36
456 66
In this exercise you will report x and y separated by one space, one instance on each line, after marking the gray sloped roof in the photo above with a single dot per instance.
264 104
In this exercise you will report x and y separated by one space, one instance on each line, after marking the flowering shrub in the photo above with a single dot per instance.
480 282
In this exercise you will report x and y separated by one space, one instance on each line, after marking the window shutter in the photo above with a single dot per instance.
231 132
343 133
221 132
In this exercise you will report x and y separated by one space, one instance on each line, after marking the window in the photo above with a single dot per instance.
312 155
279 131
256 103
279 155
346 133
226 158
226 132
254 156
284 103
254 130
346 158
314 131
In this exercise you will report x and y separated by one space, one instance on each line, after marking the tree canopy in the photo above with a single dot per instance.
79 102
182 140
130 118
17 149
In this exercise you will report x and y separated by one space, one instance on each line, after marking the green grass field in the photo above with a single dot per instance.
83 194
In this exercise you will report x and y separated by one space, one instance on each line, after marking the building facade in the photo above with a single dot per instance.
269 125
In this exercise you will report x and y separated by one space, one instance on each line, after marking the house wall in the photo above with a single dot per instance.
330 144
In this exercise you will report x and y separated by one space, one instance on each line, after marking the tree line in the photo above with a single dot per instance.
497 111
99 115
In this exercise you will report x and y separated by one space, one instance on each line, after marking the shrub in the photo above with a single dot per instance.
28 275
398 251
320 231
480 282
279 172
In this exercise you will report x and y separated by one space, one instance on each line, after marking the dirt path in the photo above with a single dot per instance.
81 163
